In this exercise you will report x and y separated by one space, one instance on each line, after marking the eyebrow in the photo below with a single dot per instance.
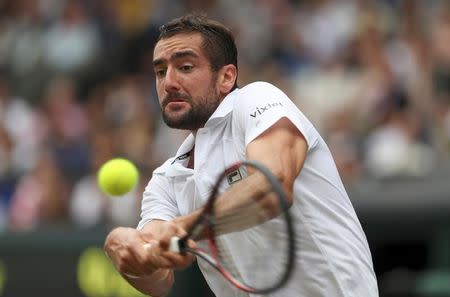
174 56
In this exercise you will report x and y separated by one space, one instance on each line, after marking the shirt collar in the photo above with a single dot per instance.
186 146
225 107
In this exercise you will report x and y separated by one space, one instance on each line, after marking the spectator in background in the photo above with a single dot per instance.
21 46
440 75
21 124
19 141
40 197
344 145
316 18
395 148
72 43
68 125
6 177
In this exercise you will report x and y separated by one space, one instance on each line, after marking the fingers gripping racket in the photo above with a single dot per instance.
260 225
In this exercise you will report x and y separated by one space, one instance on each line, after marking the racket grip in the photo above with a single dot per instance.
175 244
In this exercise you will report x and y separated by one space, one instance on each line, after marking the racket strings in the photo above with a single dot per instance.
251 241
262 254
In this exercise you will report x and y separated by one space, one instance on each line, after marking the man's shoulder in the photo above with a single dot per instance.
258 93
258 86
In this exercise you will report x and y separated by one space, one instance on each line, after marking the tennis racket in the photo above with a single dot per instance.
261 226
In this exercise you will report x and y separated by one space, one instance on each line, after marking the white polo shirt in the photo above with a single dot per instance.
335 258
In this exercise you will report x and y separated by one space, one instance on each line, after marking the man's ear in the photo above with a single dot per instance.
227 78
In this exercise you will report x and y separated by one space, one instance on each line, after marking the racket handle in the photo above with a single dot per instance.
175 244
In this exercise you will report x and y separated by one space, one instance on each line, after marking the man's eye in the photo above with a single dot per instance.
186 68
160 72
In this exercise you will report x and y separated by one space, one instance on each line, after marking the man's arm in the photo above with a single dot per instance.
142 261
282 148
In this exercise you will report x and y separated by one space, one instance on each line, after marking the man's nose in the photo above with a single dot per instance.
171 80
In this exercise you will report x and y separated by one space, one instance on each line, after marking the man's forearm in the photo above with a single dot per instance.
252 190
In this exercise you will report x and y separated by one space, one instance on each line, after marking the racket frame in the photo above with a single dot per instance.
205 223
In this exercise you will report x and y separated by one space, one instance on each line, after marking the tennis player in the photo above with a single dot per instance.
195 62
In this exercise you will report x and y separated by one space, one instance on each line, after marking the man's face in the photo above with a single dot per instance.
186 85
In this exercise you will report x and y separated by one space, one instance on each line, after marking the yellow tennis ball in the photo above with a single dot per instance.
117 177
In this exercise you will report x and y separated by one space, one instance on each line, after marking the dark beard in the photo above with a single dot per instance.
201 110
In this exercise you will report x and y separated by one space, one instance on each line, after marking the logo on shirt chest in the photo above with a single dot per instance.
261 109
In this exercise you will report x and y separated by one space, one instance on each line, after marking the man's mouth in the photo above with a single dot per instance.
175 100
175 104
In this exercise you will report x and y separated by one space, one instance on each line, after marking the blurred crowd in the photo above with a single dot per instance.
77 88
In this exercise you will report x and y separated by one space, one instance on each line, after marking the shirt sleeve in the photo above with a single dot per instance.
260 105
158 201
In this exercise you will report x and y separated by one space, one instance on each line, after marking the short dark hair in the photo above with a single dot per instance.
218 41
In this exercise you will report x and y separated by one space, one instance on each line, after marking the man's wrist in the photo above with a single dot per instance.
156 275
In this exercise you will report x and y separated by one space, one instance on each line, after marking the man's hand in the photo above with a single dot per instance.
137 254
129 249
